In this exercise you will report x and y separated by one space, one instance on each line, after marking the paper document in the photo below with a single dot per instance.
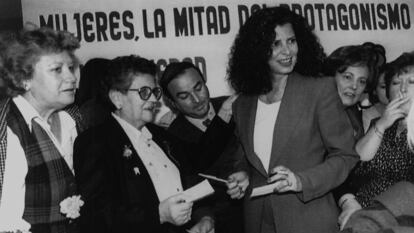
263 190
199 191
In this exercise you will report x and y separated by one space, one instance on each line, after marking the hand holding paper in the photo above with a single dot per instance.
282 180
237 184
175 210
285 180
198 191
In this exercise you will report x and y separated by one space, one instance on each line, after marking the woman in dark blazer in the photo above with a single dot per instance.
292 128
126 174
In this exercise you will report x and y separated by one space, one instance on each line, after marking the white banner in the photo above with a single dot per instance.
203 31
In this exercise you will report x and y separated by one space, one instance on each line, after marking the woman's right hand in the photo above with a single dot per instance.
392 112
175 210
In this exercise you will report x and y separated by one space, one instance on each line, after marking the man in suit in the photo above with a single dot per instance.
205 124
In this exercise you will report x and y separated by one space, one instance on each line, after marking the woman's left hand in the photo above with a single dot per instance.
285 180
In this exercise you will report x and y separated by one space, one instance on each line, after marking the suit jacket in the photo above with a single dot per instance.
314 138
391 212
205 155
206 146
116 198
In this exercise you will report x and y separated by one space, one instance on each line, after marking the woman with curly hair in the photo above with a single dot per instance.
293 131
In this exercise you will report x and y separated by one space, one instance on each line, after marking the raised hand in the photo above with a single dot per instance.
392 112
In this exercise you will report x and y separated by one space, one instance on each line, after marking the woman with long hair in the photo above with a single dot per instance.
293 131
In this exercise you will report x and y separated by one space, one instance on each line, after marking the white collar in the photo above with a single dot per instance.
26 109
144 133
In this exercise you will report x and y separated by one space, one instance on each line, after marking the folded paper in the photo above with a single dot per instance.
198 191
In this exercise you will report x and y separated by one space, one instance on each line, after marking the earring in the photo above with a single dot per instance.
25 86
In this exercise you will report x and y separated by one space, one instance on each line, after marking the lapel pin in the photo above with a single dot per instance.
127 152
136 170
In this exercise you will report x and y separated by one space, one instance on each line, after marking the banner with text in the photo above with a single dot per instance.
202 32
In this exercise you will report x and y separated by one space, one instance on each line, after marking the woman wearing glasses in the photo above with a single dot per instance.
124 168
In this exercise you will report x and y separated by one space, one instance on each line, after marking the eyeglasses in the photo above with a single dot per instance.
145 92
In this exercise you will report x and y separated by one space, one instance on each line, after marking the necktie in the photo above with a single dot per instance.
206 122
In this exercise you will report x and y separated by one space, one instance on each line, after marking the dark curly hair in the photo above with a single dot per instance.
352 55
248 68
120 74
397 67
21 53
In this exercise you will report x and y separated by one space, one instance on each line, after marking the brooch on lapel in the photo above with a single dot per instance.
127 151
136 170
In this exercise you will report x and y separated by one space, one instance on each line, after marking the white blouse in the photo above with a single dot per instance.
164 175
264 126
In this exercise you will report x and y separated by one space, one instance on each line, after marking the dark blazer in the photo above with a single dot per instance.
314 138
116 198
206 146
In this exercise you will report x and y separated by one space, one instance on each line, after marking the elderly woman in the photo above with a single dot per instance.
125 169
36 138
384 151
293 130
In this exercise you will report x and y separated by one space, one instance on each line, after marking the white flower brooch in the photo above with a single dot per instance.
127 151
71 206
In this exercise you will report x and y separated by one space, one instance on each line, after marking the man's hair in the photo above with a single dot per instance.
172 71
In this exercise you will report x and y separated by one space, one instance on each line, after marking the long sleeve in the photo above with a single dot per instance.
13 190
337 136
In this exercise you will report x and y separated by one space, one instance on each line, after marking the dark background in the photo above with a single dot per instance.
11 15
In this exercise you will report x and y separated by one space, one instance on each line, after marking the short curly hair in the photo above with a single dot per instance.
352 55
248 68
120 72
21 53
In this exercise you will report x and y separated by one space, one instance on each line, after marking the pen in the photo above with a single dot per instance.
213 178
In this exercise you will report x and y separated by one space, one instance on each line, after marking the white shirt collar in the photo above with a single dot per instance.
144 133
198 122
26 109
